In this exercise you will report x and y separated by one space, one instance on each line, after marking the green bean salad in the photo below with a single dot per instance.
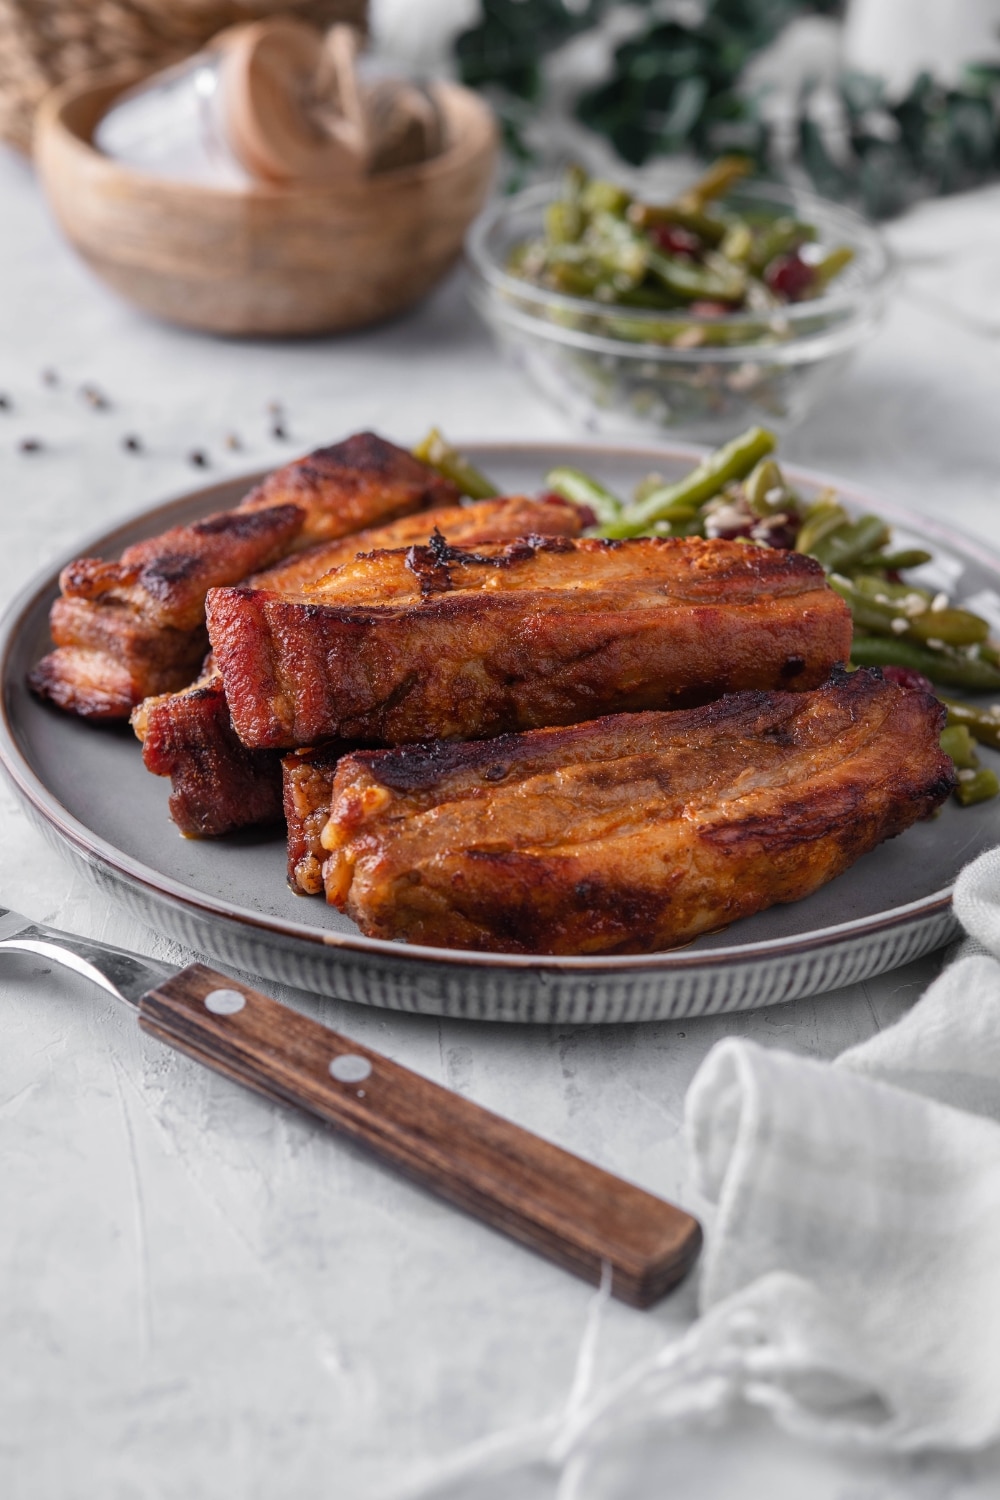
695 253
739 492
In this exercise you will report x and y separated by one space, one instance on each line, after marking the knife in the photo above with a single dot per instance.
574 1213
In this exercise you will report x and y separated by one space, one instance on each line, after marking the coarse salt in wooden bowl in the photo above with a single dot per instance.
269 260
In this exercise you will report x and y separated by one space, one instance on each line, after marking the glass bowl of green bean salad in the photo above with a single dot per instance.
732 301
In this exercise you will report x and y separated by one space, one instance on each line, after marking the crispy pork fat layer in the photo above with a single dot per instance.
635 832
218 784
435 642
133 627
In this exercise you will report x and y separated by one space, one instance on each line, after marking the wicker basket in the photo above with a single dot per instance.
43 42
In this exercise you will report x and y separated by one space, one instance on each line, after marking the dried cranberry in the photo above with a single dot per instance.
775 531
905 677
676 241
789 277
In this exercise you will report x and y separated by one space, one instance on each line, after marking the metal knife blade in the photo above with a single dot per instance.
124 975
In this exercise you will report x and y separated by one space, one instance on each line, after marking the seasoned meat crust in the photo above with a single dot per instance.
218 784
127 629
632 833
436 642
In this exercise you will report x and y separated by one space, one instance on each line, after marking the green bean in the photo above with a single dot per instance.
875 587
776 239
581 489
947 667
724 466
718 179
830 266
982 723
621 253
575 277
895 562
599 196
955 627
765 481
957 743
821 519
694 282
842 546
737 244
564 221
886 614
976 786
869 613
706 226
438 454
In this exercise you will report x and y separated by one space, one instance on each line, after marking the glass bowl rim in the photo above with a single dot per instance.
834 301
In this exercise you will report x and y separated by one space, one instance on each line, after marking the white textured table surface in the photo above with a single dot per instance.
202 1295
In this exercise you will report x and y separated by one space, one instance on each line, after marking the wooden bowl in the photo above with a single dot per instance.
270 260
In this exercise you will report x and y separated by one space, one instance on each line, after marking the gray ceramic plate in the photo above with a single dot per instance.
88 791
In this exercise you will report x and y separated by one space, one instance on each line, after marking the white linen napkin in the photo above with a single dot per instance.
851 1278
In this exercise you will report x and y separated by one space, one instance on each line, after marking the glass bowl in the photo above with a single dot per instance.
629 370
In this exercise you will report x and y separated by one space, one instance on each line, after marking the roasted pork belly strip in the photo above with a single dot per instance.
219 785
635 832
157 588
435 642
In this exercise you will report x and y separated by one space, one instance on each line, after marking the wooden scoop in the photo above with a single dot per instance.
296 109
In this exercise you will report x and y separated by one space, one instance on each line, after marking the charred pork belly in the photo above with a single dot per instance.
127 629
632 833
218 784
435 642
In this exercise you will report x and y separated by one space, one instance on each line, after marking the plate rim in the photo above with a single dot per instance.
70 830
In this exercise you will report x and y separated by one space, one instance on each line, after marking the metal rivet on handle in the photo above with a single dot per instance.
350 1068
224 1002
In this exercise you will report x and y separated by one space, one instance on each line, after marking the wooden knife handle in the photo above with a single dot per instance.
563 1207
